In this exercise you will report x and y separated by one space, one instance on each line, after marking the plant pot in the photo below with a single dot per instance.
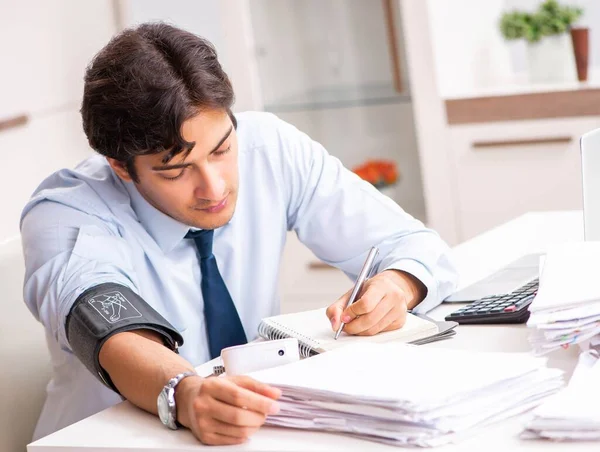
580 39
551 60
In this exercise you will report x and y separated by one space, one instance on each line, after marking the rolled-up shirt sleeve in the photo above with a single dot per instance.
67 252
340 217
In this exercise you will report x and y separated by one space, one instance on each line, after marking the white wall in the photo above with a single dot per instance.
225 23
197 16
469 52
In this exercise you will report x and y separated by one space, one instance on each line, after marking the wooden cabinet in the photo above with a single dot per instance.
502 170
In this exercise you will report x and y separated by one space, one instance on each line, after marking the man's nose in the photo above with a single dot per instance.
211 185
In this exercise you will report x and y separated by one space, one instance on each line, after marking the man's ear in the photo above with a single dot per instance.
119 167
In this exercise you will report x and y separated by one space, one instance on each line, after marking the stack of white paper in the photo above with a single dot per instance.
566 309
406 395
573 413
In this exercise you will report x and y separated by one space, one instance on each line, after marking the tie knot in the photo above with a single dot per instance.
203 240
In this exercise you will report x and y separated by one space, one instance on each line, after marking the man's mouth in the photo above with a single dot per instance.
215 208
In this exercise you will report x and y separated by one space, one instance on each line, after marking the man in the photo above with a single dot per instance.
122 252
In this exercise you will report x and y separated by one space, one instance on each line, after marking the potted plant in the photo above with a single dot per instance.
547 33
383 174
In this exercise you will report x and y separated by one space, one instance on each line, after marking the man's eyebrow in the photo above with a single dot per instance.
170 167
183 165
222 140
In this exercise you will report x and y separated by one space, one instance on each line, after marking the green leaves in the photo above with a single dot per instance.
515 25
550 19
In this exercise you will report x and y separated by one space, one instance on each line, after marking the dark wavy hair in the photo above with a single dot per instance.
143 85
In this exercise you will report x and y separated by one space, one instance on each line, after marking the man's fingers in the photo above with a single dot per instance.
398 323
231 409
234 415
334 311
256 386
367 302
394 320
232 394
367 321
234 431
395 325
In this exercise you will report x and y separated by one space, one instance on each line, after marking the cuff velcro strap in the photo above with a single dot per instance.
108 309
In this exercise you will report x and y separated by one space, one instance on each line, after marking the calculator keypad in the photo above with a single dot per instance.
505 308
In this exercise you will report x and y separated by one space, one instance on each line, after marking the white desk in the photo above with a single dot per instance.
126 428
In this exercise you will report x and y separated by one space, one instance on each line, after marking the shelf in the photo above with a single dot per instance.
530 106
340 97
519 84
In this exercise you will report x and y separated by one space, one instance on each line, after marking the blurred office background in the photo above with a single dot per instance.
429 85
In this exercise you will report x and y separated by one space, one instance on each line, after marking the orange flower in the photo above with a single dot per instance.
378 172
388 173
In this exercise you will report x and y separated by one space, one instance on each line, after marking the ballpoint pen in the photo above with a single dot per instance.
362 276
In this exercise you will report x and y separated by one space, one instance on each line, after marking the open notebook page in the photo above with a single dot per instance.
313 328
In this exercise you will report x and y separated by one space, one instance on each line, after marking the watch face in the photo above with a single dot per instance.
163 408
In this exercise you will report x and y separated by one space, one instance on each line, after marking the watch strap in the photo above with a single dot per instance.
172 384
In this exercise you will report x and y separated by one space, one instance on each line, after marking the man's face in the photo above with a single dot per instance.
199 189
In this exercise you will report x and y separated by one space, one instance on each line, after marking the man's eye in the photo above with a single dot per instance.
222 151
175 177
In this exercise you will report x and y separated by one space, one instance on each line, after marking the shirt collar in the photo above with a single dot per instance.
166 231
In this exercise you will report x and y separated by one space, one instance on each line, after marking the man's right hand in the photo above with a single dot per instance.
224 410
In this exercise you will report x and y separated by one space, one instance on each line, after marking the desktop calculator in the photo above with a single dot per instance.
504 308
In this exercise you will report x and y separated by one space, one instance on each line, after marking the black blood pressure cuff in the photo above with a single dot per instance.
108 309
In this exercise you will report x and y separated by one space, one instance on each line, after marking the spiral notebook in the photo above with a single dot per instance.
314 333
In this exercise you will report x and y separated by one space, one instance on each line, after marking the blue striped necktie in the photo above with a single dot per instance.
223 325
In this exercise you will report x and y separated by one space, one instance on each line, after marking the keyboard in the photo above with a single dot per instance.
505 308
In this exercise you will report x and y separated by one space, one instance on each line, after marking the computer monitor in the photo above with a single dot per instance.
590 168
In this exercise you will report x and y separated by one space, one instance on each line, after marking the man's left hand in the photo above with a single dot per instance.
381 306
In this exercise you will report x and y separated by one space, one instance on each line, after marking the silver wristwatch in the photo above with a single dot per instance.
167 410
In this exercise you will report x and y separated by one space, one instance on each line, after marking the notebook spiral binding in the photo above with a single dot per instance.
268 332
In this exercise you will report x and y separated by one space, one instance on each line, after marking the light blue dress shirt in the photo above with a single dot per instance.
85 226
